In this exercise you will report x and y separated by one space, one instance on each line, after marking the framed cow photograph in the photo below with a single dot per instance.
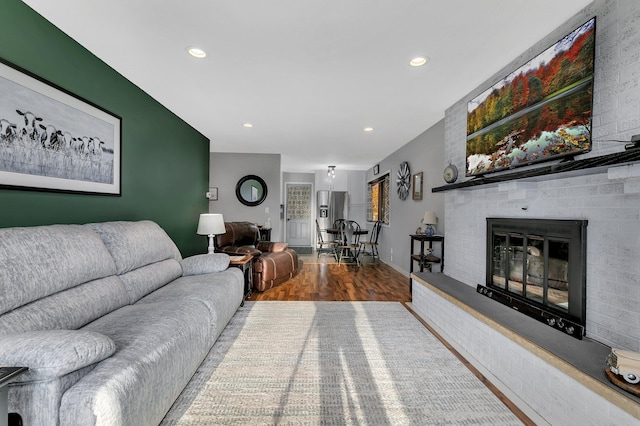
53 140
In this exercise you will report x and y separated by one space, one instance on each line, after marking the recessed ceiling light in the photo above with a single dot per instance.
248 125
419 61
368 129
197 52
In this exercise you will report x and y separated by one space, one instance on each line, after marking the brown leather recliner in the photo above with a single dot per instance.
274 262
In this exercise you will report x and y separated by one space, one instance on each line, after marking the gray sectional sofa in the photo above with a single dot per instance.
109 318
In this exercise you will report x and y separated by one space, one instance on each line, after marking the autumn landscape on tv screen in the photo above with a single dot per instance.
538 112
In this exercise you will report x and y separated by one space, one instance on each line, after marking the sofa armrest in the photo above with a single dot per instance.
272 247
53 353
241 250
204 264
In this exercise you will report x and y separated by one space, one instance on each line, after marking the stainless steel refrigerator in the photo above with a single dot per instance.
331 205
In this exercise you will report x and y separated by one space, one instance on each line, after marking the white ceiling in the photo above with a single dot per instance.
308 74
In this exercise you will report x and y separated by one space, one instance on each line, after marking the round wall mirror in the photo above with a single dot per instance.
251 190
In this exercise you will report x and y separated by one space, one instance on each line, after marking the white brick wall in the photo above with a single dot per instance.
555 396
609 200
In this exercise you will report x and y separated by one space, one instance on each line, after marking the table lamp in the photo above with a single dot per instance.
429 221
211 224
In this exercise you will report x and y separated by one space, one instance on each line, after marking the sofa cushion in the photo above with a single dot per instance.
53 353
242 250
42 260
159 347
272 269
238 234
204 264
273 247
146 279
221 292
69 309
135 244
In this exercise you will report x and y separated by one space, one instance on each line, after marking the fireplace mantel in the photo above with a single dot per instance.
567 168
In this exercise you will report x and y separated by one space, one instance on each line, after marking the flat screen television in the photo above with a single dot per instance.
539 112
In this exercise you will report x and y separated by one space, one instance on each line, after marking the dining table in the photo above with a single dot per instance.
336 231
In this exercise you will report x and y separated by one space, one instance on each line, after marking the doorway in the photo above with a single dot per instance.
298 215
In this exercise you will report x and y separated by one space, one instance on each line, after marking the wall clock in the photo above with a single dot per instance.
404 180
450 173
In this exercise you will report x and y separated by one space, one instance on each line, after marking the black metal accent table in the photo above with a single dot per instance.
422 258
265 234
245 264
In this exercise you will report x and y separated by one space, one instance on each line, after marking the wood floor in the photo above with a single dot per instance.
325 280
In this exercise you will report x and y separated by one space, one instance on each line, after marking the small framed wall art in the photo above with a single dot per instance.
417 186
376 169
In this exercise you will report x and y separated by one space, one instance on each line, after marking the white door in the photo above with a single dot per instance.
298 214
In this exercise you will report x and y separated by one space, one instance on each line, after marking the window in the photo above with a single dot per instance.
378 200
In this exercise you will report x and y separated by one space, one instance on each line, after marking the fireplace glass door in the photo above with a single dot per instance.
533 267
538 267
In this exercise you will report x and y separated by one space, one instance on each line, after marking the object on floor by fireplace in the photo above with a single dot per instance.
625 364
211 224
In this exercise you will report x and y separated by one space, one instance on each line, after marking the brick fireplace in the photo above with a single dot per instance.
607 197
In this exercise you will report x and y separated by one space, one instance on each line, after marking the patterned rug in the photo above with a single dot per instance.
333 363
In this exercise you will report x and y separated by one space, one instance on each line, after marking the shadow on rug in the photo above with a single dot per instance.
333 363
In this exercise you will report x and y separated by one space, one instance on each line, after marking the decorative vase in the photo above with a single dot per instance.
429 231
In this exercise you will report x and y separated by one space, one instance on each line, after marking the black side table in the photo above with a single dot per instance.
265 234
425 260
6 375
245 264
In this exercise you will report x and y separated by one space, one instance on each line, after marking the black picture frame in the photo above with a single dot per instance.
54 140
376 169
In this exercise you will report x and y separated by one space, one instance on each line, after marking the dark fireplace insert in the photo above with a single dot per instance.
538 267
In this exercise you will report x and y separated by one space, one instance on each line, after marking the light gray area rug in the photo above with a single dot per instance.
333 363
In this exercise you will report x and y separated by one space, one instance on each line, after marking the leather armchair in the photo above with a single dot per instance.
274 262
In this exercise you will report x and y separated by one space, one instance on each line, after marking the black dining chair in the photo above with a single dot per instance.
349 245
337 224
322 246
372 244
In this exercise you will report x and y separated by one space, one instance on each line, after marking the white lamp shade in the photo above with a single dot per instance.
211 224
429 218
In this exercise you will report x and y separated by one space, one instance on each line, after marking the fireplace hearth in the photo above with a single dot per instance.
538 267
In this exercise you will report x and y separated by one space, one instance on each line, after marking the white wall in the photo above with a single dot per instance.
226 169
424 154
610 202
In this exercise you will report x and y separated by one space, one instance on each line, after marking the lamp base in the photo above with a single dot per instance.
211 248
429 231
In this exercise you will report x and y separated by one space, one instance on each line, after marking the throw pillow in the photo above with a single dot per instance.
204 264
53 353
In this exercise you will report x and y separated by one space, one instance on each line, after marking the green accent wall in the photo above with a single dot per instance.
165 162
